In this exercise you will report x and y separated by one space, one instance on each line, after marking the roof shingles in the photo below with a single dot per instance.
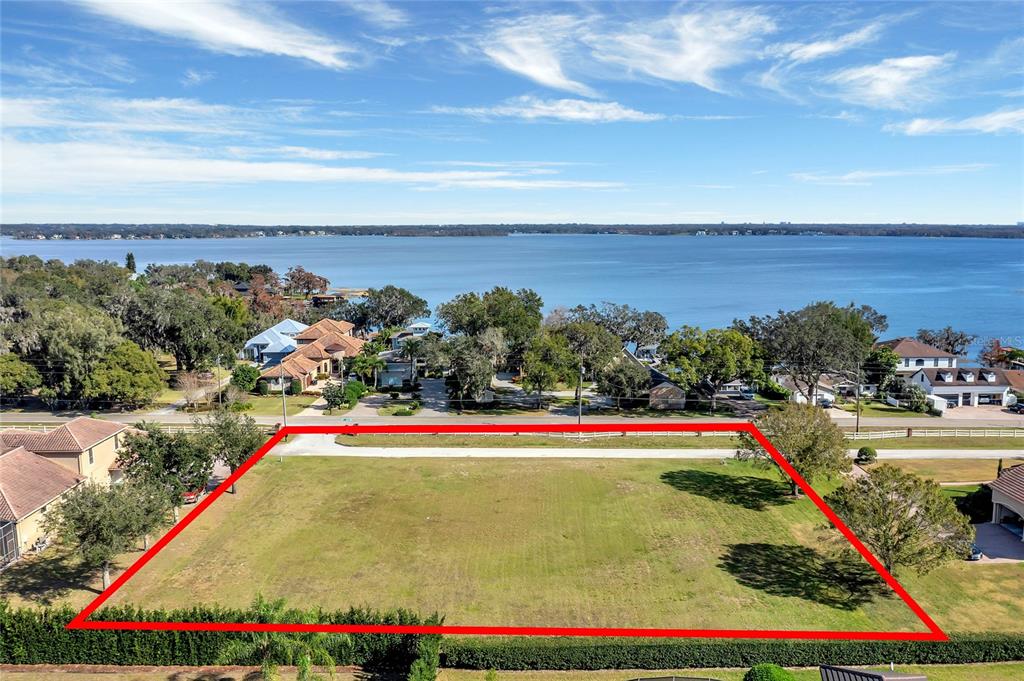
29 482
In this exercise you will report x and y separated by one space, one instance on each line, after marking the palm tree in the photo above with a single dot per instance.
366 365
273 648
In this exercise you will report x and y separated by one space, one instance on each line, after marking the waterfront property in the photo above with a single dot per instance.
916 355
274 343
963 386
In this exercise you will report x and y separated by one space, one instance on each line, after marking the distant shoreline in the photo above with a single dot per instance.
55 231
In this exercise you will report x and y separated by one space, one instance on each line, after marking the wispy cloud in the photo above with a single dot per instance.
573 110
227 26
1002 121
896 83
800 53
865 177
684 47
378 12
534 47
193 77
86 166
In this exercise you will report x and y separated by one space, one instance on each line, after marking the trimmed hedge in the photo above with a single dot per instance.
552 653
38 636
424 667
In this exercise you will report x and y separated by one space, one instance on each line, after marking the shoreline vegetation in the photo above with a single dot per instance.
59 231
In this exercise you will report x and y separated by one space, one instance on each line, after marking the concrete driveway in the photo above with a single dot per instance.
988 412
998 544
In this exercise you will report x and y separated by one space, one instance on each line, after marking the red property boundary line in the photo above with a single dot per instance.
934 633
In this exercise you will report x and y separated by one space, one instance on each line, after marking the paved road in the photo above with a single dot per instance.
324 445
434 417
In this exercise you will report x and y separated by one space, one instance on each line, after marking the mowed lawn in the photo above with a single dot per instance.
651 543
950 470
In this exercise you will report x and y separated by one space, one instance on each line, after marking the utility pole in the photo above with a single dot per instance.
284 406
579 405
220 392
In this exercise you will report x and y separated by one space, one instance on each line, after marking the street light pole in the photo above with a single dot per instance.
220 393
284 406
579 405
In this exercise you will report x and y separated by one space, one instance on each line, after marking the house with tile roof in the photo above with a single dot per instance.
1008 500
916 355
85 446
324 327
29 486
292 368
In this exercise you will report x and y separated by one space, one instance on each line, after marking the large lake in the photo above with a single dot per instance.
974 284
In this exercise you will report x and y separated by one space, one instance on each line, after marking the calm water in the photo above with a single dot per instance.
974 284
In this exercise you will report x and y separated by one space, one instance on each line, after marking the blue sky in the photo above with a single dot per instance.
426 112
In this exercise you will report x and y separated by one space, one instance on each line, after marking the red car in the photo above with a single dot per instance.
193 496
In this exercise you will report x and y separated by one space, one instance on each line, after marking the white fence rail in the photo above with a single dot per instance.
935 432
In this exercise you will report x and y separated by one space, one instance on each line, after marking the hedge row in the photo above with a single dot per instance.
553 653
38 636
424 667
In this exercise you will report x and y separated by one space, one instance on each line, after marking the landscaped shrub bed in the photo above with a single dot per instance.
38 636
583 654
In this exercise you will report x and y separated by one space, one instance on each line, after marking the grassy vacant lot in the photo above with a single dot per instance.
171 674
1009 671
270 405
878 408
951 470
525 542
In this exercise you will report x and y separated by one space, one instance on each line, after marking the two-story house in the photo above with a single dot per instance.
85 446
916 355
963 386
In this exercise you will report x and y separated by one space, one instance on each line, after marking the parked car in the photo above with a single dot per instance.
192 496
746 394
1017 408
975 553
825 403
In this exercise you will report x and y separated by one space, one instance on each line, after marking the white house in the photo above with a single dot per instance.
289 327
269 346
964 386
798 390
916 355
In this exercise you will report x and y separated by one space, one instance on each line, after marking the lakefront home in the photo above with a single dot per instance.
273 344
916 355
964 386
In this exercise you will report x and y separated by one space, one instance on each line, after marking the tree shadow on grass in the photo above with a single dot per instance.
844 583
46 578
747 491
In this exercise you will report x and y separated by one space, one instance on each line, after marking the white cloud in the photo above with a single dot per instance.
193 77
378 12
819 49
227 26
865 177
325 154
684 48
1002 121
32 167
534 47
574 110
896 83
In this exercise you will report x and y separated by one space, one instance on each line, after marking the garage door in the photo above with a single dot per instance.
996 398
950 399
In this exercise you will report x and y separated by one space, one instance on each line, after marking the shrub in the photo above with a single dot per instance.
295 387
394 394
240 406
355 389
414 405
245 377
38 636
402 412
773 391
583 655
768 672
976 505
322 376
866 455
263 388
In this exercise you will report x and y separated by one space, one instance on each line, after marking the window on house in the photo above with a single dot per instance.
919 363
906 361
935 362
91 460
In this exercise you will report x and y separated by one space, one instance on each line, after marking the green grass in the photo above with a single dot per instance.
270 405
1005 671
950 470
63 673
877 408
522 542
926 442
397 406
